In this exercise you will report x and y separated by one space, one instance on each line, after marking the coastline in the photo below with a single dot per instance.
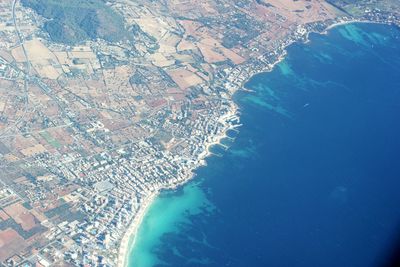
282 56
342 23
179 243
131 232
306 39
129 236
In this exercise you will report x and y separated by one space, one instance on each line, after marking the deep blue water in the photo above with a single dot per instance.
313 176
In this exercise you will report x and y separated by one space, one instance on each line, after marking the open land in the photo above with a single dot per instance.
104 103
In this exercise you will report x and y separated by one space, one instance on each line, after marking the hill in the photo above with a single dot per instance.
74 21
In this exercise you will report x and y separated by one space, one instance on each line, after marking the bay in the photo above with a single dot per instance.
312 177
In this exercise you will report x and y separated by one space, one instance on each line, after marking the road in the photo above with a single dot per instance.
26 70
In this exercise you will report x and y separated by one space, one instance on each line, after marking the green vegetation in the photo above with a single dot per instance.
49 139
74 21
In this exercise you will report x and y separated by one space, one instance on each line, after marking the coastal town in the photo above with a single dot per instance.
106 105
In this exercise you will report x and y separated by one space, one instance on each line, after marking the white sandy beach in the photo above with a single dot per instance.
125 247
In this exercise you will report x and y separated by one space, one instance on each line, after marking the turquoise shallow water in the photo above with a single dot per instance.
167 214
311 179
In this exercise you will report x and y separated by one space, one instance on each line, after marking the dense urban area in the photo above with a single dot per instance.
104 103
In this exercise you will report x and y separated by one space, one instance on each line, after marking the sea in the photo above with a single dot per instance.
311 178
